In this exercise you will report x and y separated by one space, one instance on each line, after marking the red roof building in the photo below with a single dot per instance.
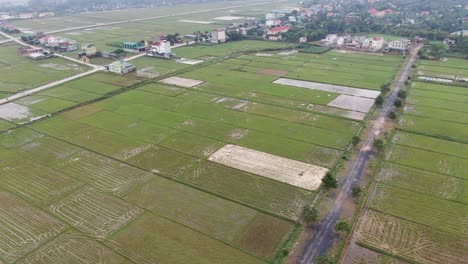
275 33
373 11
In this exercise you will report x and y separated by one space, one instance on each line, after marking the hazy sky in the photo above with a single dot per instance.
19 2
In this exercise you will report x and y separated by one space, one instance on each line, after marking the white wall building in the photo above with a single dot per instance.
218 36
400 45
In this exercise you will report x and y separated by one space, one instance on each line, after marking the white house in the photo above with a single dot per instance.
218 36
275 33
121 67
400 45
340 42
273 23
374 44
330 39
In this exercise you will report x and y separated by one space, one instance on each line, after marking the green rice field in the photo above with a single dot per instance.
420 200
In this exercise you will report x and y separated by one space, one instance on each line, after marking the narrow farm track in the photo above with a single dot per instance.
324 236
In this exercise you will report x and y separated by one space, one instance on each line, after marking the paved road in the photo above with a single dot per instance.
155 17
324 236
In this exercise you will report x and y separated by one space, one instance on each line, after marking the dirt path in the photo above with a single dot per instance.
324 236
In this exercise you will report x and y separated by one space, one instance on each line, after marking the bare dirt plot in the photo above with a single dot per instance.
183 82
263 54
228 18
189 61
354 103
23 228
19 113
272 72
72 247
296 173
195 21
328 87
94 213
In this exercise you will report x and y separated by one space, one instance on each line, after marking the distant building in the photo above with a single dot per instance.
330 40
26 15
275 33
161 48
399 45
449 42
46 14
273 22
374 44
463 33
89 50
24 51
303 39
66 46
134 47
218 36
121 67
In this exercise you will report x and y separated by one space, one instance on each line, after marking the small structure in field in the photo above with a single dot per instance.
161 48
121 67
88 50
275 33
25 51
218 36
134 47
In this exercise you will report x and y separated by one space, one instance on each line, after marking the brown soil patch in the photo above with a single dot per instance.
272 72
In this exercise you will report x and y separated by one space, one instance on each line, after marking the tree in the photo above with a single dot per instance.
342 226
324 259
309 215
329 181
379 100
402 94
379 145
437 50
355 140
356 192
392 115
398 103
385 88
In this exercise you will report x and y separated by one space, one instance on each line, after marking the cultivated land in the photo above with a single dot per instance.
123 169
418 208
20 73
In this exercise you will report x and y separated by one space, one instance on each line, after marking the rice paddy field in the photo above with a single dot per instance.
448 69
118 168
417 210
20 73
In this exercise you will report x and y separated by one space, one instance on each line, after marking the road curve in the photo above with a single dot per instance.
324 236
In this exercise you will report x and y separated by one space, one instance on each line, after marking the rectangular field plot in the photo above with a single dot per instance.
259 192
328 88
103 173
94 213
299 174
431 144
71 247
212 215
409 240
36 183
353 103
23 228
152 239
429 160
426 182
432 127
183 82
450 217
